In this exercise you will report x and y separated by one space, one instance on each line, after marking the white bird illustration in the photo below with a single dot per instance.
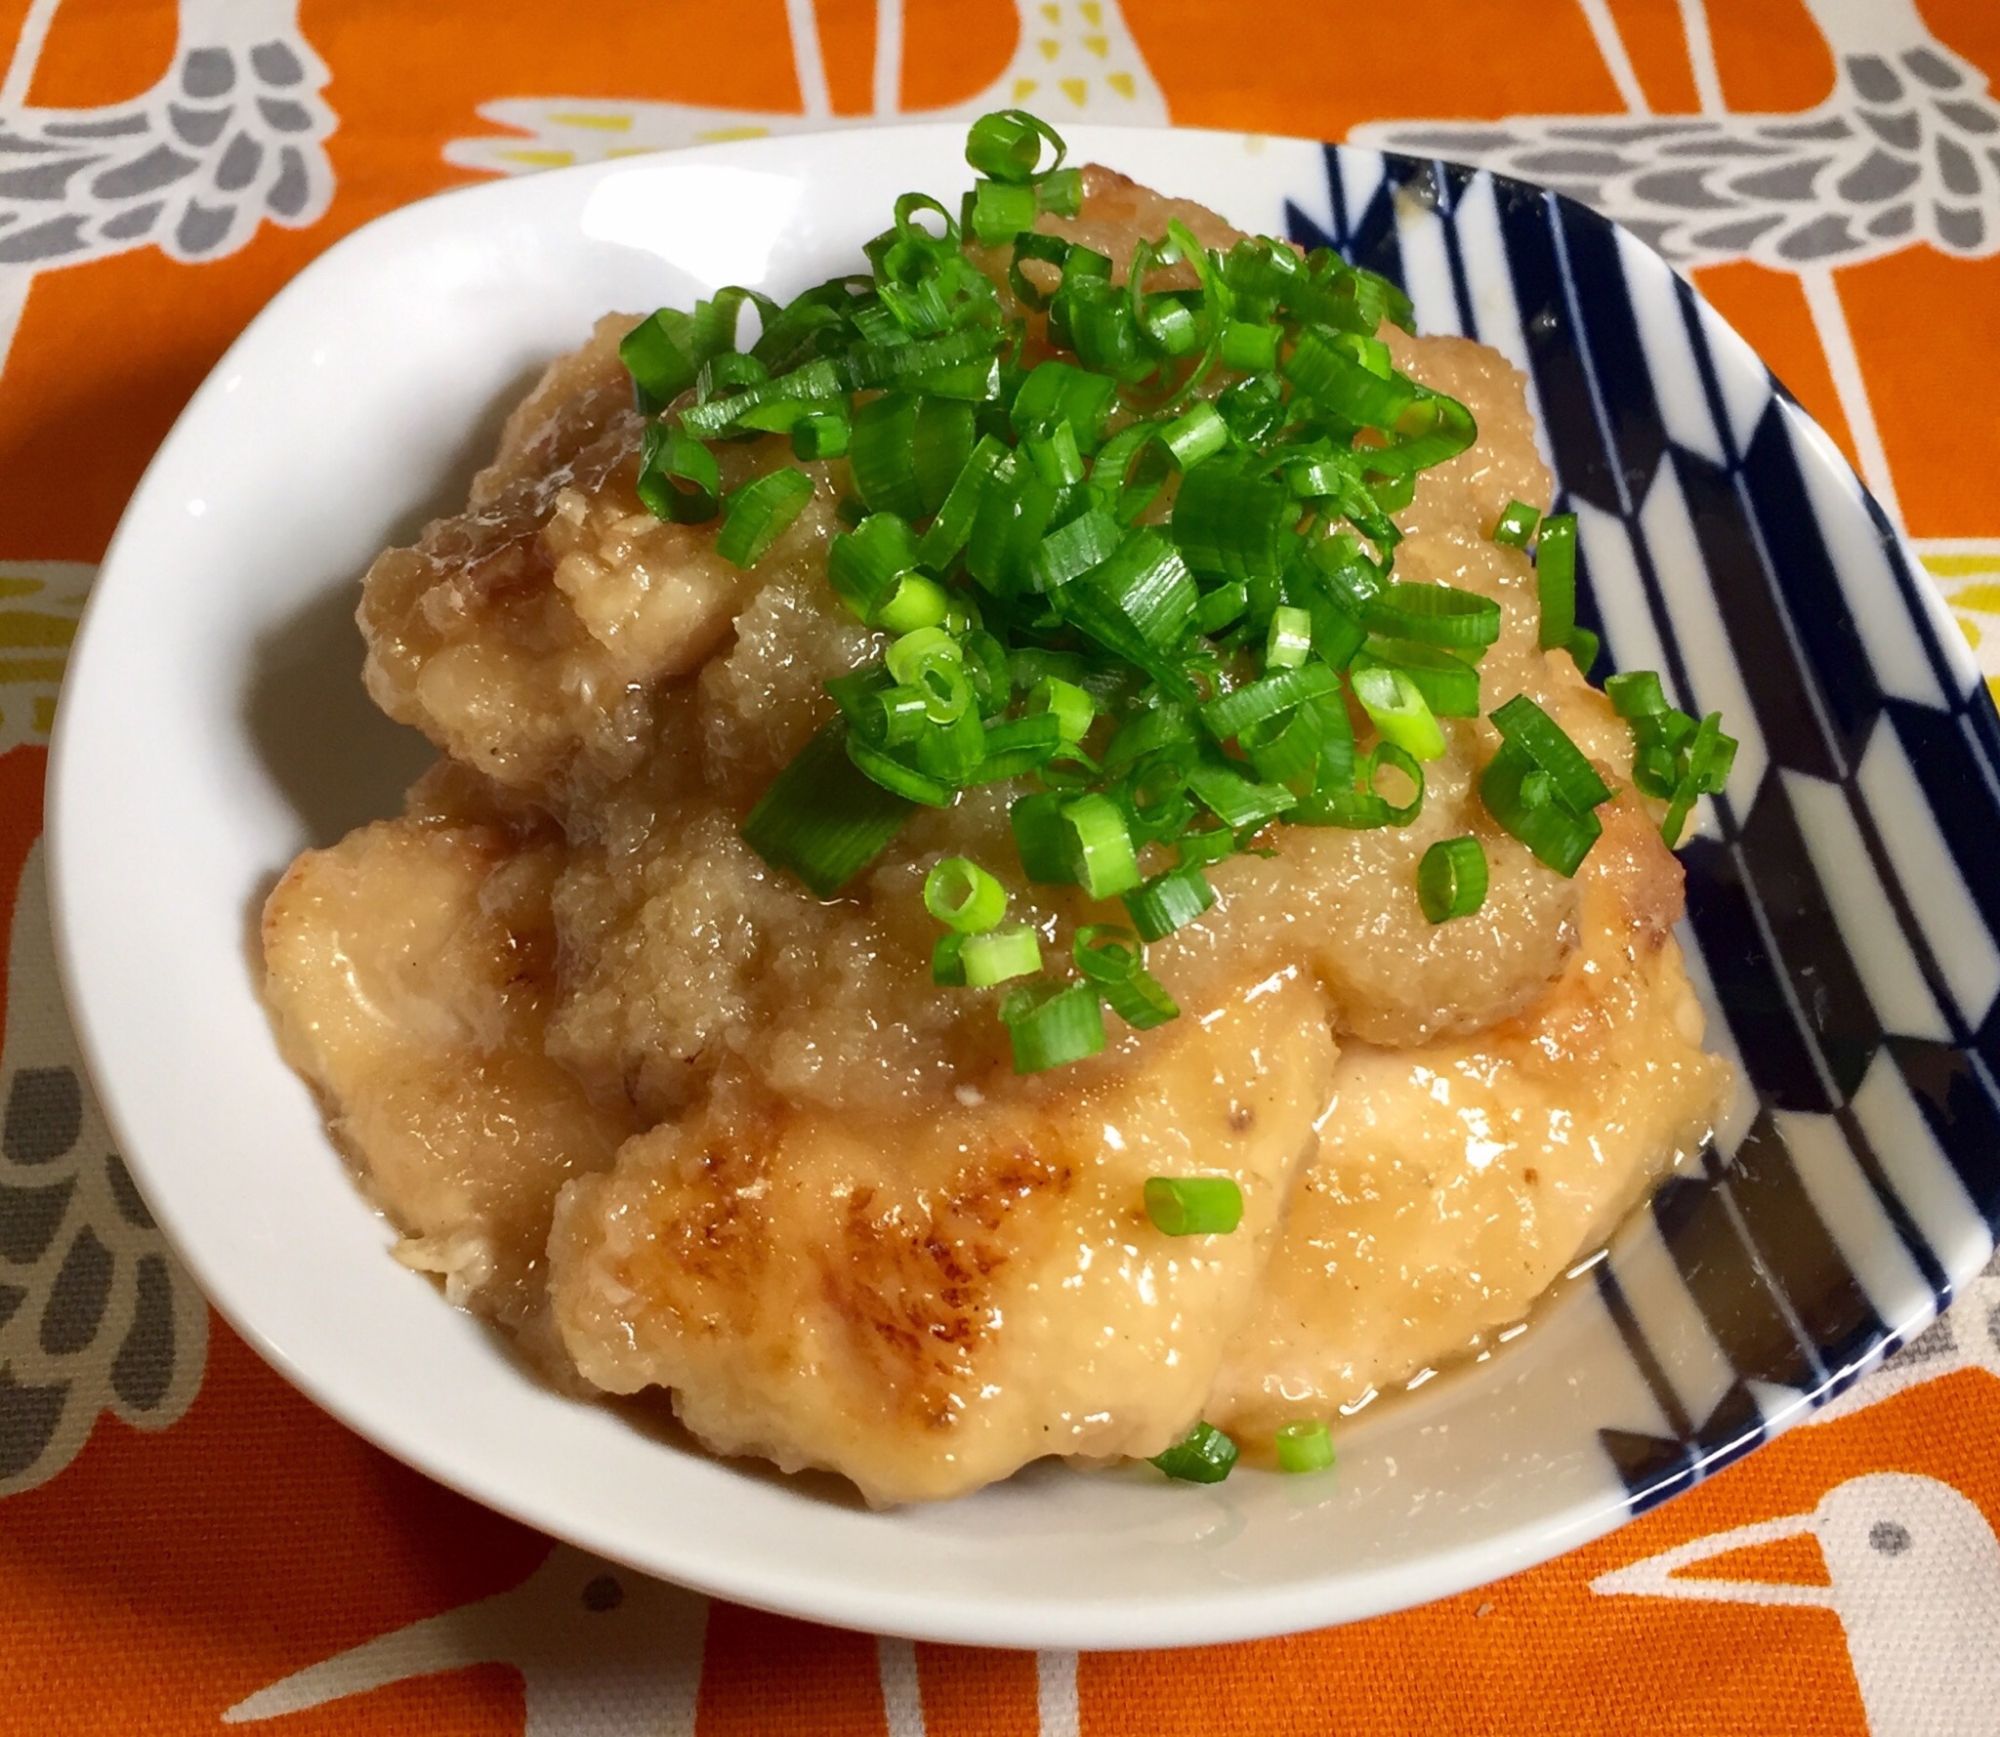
1913 1573
1905 152
232 137
1075 59
602 1651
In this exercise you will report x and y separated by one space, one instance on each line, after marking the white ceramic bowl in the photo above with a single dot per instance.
213 724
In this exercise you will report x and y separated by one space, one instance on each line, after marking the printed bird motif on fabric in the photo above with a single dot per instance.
95 1313
231 138
1913 1574
600 1650
1074 60
1904 152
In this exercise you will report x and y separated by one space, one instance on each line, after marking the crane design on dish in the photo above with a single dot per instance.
1074 60
231 138
1913 1574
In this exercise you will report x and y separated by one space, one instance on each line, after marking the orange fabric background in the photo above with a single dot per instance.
164 1576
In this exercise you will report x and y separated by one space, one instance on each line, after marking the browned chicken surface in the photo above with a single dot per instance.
799 1185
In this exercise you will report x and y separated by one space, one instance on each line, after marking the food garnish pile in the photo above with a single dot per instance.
1023 861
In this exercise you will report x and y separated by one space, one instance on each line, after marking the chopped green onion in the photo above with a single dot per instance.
655 354
1041 596
1042 838
1018 745
919 654
1072 708
885 714
1060 191
953 524
942 440
1636 694
1052 1024
1249 347
1146 584
1364 806
1527 727
1304 1446
678 476
1516 525
1198 434
1555 579
1000 211
947 969
1290 638
1221 606
1204 1456
1061 392
1007 144
1449 684
821 434
867 565
1583 647
963 896
1451 879
759 513
822 819
1278 692
1397 708
1439 615
1228 523
1521 797
1086 542
1055 455
1113 959
882 450
1235 800
1194 1205
1000 956
1288 746
1323 365
916 602
1101 846
1709 760
1169 901
903 780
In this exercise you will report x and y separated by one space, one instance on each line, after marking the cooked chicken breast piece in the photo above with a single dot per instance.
527 636
408 971
1457 1179
927 1302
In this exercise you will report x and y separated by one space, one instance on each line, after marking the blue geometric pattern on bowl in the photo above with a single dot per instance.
1834 1214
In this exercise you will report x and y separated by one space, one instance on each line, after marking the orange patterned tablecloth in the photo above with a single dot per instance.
185 1542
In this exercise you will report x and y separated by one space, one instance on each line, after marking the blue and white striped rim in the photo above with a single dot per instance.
1841 913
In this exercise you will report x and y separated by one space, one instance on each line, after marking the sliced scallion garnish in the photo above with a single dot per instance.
1304 1446
963 896
1451 879
1052 1024
1194 1205
1203 1456
1516 525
